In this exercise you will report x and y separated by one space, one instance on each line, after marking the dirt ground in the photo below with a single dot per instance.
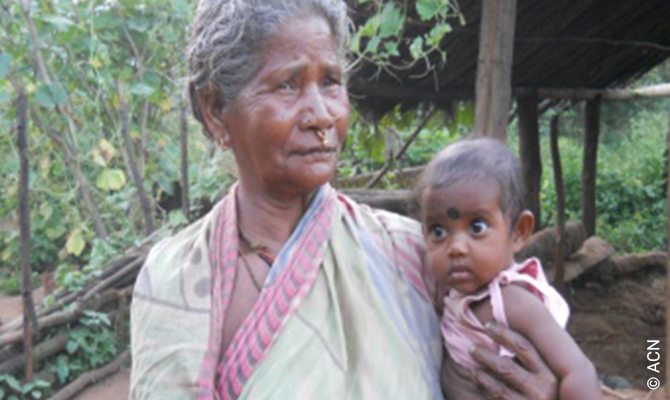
612 320
113 388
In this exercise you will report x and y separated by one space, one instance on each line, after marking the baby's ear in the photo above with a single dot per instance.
523 229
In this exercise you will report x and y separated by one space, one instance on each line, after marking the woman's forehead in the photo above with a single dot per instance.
300 39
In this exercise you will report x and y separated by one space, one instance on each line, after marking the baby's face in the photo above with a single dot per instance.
468 238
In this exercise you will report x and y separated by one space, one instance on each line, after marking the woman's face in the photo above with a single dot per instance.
272 124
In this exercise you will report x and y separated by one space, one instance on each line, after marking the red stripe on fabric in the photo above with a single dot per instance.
290 287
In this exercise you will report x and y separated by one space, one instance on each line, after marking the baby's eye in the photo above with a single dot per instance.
437 232
478 226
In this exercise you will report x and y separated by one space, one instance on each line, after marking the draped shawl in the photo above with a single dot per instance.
346 312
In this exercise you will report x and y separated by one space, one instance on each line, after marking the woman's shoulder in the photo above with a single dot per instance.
392 223
175 258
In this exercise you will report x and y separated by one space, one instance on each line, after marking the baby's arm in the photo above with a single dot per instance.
527 315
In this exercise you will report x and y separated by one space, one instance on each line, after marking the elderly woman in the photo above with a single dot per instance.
288 289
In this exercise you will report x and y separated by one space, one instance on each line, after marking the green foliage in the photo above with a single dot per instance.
90 346
383 37
10 283
88 48
13 389
631 183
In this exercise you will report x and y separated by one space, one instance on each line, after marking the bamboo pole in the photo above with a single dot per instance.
493 88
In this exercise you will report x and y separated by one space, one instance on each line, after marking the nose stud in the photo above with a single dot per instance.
321 135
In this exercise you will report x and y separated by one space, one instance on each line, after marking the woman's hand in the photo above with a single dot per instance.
503 378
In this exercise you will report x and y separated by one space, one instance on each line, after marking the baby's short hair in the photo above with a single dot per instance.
477 158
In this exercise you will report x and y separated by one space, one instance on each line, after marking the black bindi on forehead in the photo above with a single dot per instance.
453 213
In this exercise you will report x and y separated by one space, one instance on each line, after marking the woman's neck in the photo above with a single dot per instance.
267 221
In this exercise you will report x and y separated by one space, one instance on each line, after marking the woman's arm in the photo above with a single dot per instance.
503 378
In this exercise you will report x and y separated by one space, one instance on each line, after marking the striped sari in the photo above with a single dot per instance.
346 312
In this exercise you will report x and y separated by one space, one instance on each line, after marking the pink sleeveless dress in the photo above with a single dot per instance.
461 329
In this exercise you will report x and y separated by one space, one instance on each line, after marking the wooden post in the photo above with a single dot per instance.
559 270
493 89
29 318
590 165
667 301
529 154
183 124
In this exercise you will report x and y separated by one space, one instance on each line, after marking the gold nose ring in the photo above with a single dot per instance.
321 135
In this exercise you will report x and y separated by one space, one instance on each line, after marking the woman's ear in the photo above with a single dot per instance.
211 108
523 229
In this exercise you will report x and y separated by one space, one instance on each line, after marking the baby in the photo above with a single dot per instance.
473 224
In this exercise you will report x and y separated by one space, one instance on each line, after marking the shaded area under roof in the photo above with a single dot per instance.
562 44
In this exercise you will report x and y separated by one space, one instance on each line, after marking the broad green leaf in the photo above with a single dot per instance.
370 27
36 394
43 97
5 65
429 9
373 44
58 93
177 218
75 243
59 22
391 48
142 90
50 96
4 97
181 9
416 48
437 33
391 21
55 232
111 179
13 383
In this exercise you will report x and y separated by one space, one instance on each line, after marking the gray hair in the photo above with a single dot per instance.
476 159
224 53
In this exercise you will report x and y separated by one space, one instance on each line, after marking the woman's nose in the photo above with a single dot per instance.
316 114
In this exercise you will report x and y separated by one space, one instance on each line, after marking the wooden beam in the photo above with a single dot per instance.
529 154
590 165
650 92
493 87
451 93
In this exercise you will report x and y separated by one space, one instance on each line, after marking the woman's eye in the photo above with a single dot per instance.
437 232
285 86
330 81
478 226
